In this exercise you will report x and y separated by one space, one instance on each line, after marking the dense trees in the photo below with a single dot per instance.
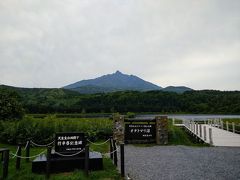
65 101
10 108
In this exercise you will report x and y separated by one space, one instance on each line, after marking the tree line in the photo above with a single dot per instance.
66 101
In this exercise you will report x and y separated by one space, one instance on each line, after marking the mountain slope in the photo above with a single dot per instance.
112 82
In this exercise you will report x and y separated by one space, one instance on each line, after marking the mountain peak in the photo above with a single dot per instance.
118 72
114 82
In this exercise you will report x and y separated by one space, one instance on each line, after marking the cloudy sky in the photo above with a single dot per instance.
168 42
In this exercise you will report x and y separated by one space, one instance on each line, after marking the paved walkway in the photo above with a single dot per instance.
182 163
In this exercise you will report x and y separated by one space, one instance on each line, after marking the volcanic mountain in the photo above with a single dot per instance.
118 82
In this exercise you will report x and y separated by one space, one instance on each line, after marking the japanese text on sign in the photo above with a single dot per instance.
69 142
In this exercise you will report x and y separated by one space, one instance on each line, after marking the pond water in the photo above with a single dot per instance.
190 116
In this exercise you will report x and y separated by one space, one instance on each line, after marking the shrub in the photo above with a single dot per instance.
131 115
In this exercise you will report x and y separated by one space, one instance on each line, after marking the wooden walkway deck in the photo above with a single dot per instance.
212 135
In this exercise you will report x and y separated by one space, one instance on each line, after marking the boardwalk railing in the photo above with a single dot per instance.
212 131
200 131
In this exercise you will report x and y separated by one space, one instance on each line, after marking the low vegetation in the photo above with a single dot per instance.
43 129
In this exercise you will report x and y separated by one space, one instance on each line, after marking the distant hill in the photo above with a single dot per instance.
112 82
57 92
177 89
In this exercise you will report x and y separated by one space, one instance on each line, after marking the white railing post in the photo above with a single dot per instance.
196 128
200 130
221 124
188 123
233 127
210 136
227 126
173 121
204 133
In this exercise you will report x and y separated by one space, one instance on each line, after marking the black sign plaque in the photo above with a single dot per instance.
140 131
69 142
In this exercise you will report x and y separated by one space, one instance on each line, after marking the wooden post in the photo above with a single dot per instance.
111 148
200 126
204 133
233 127
115 153
27 151
210 136
1 155
122 160
87 160
18 160
227 126
5 163
48 165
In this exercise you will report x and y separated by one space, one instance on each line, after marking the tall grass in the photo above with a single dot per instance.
42 130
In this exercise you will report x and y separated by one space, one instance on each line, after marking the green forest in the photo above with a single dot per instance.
40 100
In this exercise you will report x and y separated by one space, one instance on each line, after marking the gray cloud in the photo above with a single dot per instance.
54 43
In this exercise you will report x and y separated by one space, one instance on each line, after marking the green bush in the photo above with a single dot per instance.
43 130
131 115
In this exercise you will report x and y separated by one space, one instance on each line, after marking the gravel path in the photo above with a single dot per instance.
182 162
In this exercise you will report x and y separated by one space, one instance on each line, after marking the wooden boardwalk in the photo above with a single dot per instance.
212 135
